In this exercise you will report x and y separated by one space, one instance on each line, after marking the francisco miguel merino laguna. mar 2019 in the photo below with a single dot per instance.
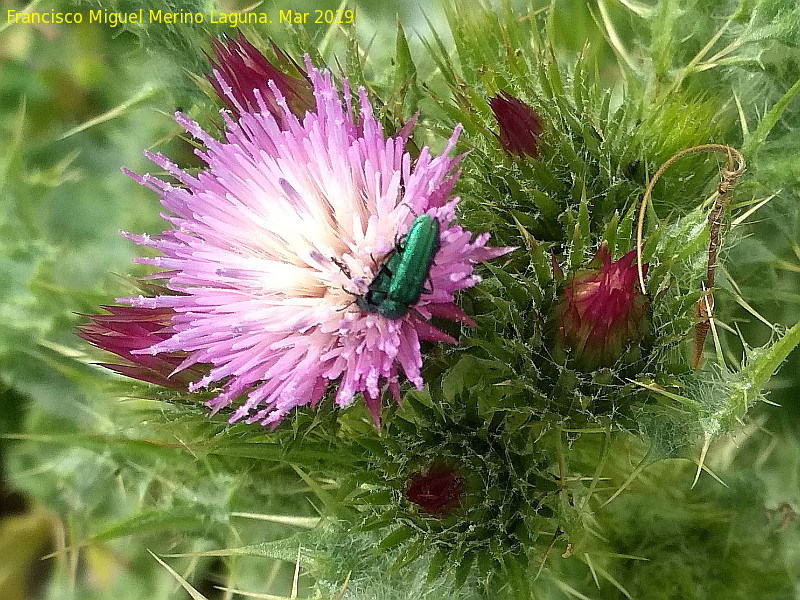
232 19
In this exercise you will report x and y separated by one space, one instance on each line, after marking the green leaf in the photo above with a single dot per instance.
397 537
411 553
437 564
463 568
167 519
405 72
284 550
754 141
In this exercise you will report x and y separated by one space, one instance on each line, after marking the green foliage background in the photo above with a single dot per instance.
113 470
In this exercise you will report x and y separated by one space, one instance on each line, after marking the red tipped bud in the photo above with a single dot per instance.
602 312
126 329
520 126
241 69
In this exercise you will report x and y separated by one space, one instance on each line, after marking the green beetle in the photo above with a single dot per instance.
399 281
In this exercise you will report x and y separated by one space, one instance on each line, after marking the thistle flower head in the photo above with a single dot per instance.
602 311
240 70
436 491
272 243
520 126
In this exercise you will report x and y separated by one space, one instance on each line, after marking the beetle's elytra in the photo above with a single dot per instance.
399 281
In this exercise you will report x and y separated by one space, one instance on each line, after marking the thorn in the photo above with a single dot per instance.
296 577
702 460
340 595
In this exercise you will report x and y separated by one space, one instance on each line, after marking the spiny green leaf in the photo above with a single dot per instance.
397 537
754 142
167 519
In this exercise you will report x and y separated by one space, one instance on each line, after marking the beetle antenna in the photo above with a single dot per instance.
342 266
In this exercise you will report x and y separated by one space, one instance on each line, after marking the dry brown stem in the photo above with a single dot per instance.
705 305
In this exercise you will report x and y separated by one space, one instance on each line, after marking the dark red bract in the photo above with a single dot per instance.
128 328
241 69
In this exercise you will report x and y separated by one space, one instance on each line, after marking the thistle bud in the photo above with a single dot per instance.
602 312
437 491
127 329
240 70
520 126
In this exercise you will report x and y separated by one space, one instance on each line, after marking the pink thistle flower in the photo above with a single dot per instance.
437 491
602 311
240 70
520 126
273 241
